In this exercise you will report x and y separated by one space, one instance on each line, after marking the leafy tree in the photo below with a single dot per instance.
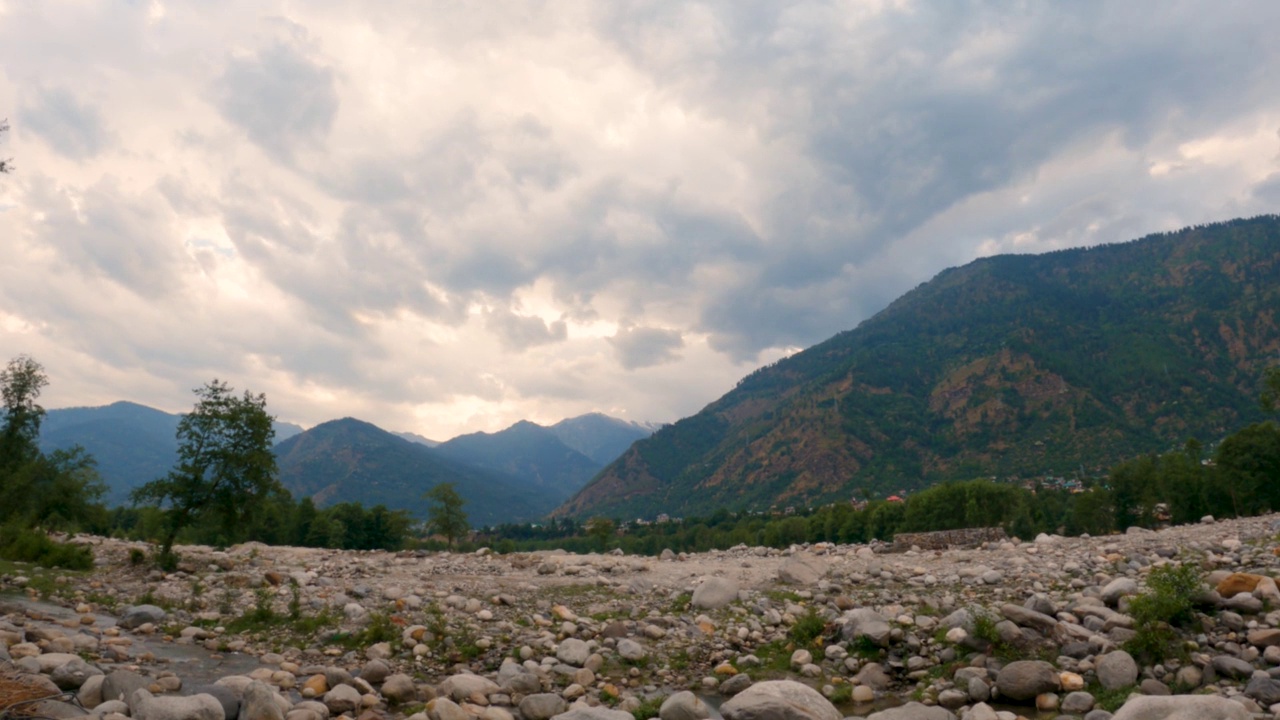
57 490
445 515
225 464
20 386
601 529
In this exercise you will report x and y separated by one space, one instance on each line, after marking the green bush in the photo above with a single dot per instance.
1167 603
33 546
807 627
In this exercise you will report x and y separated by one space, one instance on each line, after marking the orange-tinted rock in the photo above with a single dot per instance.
1237 583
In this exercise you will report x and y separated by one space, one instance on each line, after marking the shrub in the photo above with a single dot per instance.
807 627
24 545
1166 604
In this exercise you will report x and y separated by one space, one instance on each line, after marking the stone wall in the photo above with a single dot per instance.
943 539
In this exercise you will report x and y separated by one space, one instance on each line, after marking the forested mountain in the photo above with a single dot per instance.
529 453
350 460
1010 366
132 444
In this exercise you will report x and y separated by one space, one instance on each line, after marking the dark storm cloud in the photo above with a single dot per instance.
74 128
281 99
640 347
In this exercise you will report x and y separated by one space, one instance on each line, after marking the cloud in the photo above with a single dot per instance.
642 347
75 129
283 100
446 218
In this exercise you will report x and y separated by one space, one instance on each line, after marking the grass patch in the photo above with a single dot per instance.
1109 700
807 628
649 708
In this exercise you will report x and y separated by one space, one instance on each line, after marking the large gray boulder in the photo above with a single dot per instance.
1117 669
542 706
1023 680
714 592
1263 689
341 699
72 674
594 713
139 615
399 689
121 684
1182 707
516 678
803 569
146 706
913 711
683 705
572 651
779 700
865 622
259 703
1117 589
462 686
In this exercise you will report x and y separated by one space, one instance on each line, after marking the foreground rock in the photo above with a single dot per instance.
779 700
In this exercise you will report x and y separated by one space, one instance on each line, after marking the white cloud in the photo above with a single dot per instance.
445 218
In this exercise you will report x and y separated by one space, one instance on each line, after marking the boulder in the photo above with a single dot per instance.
542 706
1237 583
913 711
683 705
630 650
1023 680
594 713
442 708
1263 689
146 706
121 684
572 651
259 703
714 592
140 615
462 686
73 674
779 700
803 569
399 689
1232 667
1182 707
342 699
229 698
1117 589
865 622
1117 670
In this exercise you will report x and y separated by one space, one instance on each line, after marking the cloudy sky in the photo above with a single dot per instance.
447 216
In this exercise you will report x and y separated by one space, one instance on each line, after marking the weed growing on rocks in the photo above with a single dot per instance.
649 708
807 627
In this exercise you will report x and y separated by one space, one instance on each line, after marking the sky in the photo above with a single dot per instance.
445 217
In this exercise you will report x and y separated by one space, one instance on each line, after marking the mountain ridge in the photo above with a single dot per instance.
1012 366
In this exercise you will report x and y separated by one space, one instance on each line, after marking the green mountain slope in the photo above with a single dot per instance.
1015 365
529 452
350 460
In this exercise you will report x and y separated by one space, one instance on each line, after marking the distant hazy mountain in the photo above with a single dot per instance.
600 437
528 452
132 443
350 460
415 437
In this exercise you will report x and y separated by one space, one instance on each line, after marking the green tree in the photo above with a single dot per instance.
20 386
225 464
445 515
601 529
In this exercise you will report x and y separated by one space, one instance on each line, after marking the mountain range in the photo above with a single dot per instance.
1014 366
517 474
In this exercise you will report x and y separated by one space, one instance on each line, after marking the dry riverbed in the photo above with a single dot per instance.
1012 628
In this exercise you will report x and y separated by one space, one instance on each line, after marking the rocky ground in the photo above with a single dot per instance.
1034 629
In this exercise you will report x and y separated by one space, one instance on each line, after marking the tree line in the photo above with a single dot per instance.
224 488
